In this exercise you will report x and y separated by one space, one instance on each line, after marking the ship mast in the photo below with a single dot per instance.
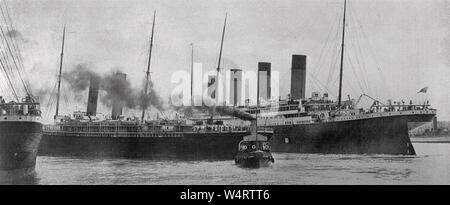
192 71
59 75
257 107
220 58
147 77
342 56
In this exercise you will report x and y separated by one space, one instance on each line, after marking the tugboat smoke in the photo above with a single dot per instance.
216 110
230 110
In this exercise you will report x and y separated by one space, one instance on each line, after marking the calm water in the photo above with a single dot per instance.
430 166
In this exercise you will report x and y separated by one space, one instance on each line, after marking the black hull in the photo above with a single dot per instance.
195 146
380 135
255 163
19 143
254 160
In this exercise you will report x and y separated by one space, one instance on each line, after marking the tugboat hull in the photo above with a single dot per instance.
378 135
254 159
19 141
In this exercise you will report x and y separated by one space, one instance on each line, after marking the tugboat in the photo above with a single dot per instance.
254 151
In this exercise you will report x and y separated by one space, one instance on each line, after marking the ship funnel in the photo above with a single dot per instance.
236 87
298 76
264 80
117 103
93 96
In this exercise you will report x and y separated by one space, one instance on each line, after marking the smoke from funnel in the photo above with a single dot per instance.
152 98
216 110
79 77
116 87
230 110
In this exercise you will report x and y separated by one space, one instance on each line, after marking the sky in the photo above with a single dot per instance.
393 47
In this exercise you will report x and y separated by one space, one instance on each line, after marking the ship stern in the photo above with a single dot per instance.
19 141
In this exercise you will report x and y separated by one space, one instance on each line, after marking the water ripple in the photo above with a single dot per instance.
430 166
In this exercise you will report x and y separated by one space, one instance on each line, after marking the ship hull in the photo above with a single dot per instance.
255 163
254 159
195 146
381 135
19 141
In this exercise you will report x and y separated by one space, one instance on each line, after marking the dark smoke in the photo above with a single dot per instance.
230 110
79 77
116 87
216 110
152 98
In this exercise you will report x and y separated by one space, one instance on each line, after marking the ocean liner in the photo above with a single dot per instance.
320 125
20 134
198 137
156 139
20 118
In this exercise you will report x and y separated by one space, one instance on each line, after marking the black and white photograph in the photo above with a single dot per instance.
224 92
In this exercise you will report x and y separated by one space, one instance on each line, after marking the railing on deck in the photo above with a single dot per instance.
23 108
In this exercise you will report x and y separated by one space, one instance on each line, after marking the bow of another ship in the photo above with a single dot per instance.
20 134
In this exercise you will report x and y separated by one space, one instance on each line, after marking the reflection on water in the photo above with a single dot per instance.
430 166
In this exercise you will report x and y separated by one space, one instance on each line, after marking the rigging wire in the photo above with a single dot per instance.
333 63
52 97
325 51
332 53
354 52
318 62
11 54
9 80
352 66
16 49
371 50
324 88
7 55
359 57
